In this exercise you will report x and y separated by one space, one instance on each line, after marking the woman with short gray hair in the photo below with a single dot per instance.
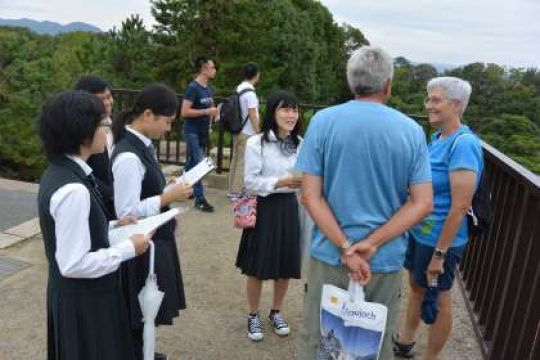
437 243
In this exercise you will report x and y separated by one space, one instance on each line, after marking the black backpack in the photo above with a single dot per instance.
230 113
480 214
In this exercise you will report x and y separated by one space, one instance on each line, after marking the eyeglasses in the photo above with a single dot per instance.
434 100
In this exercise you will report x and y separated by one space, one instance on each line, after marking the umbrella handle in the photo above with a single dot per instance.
151 267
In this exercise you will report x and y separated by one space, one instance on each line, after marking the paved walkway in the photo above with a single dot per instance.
18 203
213 326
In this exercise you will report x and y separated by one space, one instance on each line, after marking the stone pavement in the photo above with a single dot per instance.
213 326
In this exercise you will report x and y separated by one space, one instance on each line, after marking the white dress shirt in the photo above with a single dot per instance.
248 101
128 173
264 166
70 208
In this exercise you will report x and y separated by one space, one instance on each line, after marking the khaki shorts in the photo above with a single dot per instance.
236 172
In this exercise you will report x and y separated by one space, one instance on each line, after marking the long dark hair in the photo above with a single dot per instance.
159 98
279 99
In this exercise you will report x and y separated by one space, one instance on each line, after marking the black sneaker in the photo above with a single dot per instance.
203 205
254 328
402 350
159 356
279 324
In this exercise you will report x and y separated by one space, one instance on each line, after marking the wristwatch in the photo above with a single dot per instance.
345 245
438 253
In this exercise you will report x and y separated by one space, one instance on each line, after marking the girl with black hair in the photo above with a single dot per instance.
139 191
271 250
87 318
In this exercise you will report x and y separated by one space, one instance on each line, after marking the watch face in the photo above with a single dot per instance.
438 253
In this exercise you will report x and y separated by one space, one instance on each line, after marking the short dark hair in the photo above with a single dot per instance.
279 99
200 62
159 98
92 84
68 120
250 70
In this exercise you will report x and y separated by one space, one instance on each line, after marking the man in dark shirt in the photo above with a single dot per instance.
100 162
198 110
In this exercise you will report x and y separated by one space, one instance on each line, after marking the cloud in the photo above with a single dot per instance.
506 32
457 31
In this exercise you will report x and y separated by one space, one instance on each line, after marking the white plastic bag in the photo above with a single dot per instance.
351 328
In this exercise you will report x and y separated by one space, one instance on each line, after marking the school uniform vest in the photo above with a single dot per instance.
60 173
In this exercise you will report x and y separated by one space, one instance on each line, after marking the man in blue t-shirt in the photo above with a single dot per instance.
198 111
366 181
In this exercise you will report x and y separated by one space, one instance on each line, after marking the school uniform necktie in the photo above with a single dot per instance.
152 150
94 185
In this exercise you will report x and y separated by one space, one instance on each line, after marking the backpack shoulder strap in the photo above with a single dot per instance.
246 90
456 141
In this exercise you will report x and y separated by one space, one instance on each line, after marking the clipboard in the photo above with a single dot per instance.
199 171
144 226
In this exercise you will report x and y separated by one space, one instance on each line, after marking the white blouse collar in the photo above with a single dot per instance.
82 164
146 141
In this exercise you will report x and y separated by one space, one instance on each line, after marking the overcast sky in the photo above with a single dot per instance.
457 32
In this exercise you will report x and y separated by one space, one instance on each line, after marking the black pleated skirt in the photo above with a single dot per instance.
271 250
88 325
169 278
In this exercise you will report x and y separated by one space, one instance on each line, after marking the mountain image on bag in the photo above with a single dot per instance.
350 330
231 113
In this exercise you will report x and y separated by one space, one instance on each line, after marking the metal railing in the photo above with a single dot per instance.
500 273
172 149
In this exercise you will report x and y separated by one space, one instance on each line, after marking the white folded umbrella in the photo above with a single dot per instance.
150 300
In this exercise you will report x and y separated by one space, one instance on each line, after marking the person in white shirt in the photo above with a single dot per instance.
271 250
249 109
87 318
139 190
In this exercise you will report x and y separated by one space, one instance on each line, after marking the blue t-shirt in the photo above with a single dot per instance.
455 152
368 155
201 98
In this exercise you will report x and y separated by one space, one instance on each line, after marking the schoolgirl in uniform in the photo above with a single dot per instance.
139 191
86 314
271 250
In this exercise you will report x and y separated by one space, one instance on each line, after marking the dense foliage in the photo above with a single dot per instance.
296 42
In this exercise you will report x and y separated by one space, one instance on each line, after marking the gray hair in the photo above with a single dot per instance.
368 70
453 88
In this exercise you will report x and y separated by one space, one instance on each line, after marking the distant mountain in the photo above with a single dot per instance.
49 27
441 68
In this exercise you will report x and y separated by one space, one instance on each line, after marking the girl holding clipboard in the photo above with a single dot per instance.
86 314
139 191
